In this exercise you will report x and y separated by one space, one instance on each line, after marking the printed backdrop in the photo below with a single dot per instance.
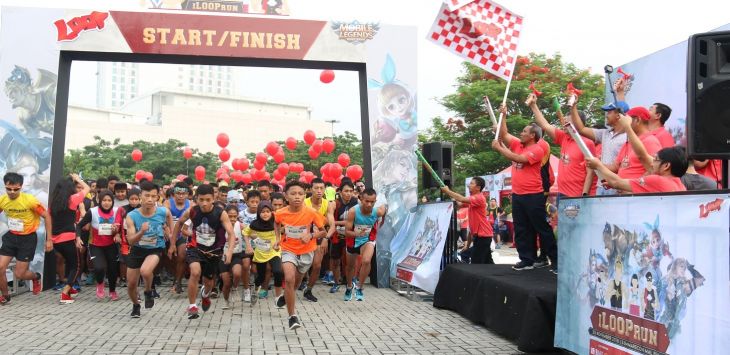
644 275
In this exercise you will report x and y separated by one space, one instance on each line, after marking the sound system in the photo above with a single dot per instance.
441 157
708 95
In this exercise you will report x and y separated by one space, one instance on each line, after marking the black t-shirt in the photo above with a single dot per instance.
208 231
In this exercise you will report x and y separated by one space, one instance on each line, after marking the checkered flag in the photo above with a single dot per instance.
483 32
455 4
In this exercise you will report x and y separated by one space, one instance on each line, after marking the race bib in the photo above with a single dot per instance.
15 224
239 246
148 241
363 228
262 245
206 239
298 232
340 230
105 229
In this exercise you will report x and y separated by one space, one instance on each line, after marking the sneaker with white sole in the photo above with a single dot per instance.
280 301
522 266
247 294
193 312
539 264
294 323
255 296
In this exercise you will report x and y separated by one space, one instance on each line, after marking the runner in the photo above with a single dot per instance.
253 198
104 252
327 210
360 220
267 251
297 245
210 226
65 201
337 249
177 206
277 202
24 214
236 263
264 187
145 233
121 236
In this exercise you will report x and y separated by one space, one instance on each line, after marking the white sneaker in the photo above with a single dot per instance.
247 295
227 304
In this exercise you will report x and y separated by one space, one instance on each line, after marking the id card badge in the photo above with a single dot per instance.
16 225
105 229
296 232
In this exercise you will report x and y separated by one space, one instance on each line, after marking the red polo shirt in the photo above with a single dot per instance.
572 169
655 183
526 178
629 165
713 170
665 138
480 223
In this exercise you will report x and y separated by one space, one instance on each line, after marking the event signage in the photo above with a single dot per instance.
355 32
69 30
644 275
258 7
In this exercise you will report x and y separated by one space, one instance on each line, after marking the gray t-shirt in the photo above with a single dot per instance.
610 143
698 182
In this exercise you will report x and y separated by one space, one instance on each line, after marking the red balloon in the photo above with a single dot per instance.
148 175
261 157
225 167
338 180
137 155
324 169
344 160
187 153
225 177
222 140
335 170
244 164
272 148
199 173
139 175
309 137
312 154
247 178
279 156
303 179
236 176
317 146
326 76
283 168
258 165
224 155
354 172
180 177
259 174
235 164
278 175
328 145
291 143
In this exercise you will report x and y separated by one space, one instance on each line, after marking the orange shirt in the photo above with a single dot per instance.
297 225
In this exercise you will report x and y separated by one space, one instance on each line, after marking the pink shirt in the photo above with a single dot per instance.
629 165
526 177
480 223
664 137
572 169
655 183
713 170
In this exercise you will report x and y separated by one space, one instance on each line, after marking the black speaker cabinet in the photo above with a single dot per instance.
708 95
441 157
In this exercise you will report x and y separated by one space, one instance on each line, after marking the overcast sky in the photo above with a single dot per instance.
587 33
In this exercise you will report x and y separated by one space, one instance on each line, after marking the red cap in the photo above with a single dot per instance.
639 112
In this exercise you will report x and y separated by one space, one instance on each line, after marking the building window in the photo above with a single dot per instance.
114 95
133 80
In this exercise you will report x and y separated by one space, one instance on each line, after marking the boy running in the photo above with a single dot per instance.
360 221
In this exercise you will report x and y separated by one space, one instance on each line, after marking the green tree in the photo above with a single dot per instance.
471 128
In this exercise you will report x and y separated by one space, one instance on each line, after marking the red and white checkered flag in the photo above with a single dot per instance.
455 4
483 32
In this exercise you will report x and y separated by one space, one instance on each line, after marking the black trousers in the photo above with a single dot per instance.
106 262
72 259
276 270
482 252
530 220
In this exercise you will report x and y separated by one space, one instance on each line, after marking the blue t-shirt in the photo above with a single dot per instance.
155 236
364 223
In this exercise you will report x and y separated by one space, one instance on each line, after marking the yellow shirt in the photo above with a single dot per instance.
23 213
322 207
263 245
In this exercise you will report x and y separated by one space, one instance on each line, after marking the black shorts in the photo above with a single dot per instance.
208 263
137 256
337 249
356 250
236 259
22 247
180 241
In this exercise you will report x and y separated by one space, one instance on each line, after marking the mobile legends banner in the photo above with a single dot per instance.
644 275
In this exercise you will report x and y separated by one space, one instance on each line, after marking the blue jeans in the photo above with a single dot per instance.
602 191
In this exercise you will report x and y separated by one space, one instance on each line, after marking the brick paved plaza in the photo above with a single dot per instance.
385 323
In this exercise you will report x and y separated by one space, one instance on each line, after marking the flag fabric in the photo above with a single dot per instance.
482 32
455 4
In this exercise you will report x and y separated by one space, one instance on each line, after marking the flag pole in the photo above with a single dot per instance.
501 115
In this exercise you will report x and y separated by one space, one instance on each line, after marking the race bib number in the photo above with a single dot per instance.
206 239
239 246
262 245
105 229
148 241
361 229
15 225
340 230
296 232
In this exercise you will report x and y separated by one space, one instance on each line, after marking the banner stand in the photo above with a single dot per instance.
411 292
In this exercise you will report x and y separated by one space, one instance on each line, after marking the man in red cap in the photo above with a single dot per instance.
658 115
628 163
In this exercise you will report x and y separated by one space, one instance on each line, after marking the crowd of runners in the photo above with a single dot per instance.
235 244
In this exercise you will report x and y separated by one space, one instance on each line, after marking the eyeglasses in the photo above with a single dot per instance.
8 189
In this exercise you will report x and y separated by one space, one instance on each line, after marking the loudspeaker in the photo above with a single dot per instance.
708 95
441 156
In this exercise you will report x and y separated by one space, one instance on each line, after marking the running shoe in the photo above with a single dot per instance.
205 299
193 312
73 292
59 286
309 296
294 323
334 288
263 293
100 294
135 310
522 266
280 301
122 283
214 293
66 299
113 295
359 295
77 287
355 282
303 285
4 300
247 294
255 296
149 300
177 288
540 263
348 294
37 286
226 304
155 294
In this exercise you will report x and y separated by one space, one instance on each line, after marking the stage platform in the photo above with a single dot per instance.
519 305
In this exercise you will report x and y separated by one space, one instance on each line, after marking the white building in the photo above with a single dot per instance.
195 119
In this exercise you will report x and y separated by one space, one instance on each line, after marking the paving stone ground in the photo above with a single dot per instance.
385 323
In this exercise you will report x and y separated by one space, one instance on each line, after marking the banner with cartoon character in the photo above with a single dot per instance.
644 275
419 245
